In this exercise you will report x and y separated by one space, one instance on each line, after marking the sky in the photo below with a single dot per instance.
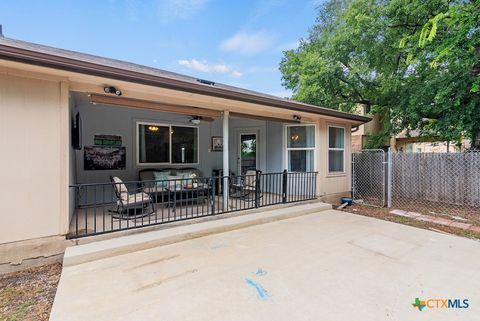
239 43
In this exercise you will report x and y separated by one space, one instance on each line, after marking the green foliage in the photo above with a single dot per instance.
415 62
376 140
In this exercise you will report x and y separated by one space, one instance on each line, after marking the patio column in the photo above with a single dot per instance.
225 159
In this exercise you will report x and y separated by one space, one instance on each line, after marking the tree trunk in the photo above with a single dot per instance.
476 140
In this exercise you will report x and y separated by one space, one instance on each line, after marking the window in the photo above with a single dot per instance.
166 144
184 145
336 149
154 143
301 148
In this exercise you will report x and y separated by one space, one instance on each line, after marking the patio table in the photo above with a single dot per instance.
186 195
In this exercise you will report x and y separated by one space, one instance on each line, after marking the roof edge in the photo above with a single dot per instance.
74 65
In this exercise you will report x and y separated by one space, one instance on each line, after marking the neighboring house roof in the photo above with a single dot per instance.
30 53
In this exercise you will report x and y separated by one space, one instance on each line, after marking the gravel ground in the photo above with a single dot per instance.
383 213
28 295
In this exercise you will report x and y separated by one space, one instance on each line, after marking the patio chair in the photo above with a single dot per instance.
247 186
126 202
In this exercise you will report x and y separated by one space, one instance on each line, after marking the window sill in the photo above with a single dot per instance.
336 174
166 164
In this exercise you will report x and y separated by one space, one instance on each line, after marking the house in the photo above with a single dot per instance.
360 134
413 142
410 142
69 121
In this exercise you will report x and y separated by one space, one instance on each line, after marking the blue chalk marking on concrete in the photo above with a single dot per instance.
261 292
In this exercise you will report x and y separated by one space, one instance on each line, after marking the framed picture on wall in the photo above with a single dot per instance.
104 158
217 144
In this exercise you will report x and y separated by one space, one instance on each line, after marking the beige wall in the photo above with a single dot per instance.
333 186
34 140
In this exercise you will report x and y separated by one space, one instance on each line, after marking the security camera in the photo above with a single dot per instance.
112 90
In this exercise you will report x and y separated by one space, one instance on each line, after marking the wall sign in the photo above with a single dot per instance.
104 158
107 140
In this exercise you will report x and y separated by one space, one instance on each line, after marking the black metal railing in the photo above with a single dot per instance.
117 205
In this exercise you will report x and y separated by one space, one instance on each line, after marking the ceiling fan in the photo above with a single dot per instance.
195 120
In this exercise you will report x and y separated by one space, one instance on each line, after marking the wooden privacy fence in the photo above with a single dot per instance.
429 183
444 179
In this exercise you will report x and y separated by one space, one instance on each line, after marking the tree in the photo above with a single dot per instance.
414 62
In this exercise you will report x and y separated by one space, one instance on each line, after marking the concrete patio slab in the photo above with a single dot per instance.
325 266
125 244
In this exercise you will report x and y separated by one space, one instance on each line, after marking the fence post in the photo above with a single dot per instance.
353 176
284 186
389 178
257 188
214 185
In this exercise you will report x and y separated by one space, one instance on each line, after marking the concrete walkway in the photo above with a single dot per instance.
329 265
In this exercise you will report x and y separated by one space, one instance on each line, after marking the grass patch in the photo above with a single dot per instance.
28 295
19 313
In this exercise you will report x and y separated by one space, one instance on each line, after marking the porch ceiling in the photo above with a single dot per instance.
146 104
177 108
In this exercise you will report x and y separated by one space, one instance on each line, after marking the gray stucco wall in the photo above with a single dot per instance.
100 119
275 147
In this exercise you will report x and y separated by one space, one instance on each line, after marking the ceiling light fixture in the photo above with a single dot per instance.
153 128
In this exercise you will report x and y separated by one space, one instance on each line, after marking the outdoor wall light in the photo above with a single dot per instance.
296 117
112 90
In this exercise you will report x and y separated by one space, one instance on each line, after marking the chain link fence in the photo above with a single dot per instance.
439 184
369 177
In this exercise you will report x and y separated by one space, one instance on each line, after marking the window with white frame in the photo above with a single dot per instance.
300 148
336 149
166 144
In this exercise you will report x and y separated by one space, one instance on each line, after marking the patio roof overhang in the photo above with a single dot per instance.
175 108
74 63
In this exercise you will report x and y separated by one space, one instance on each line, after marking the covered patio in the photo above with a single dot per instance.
83 121
139 163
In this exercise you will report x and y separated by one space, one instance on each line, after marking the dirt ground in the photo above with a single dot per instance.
28 295
384 214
